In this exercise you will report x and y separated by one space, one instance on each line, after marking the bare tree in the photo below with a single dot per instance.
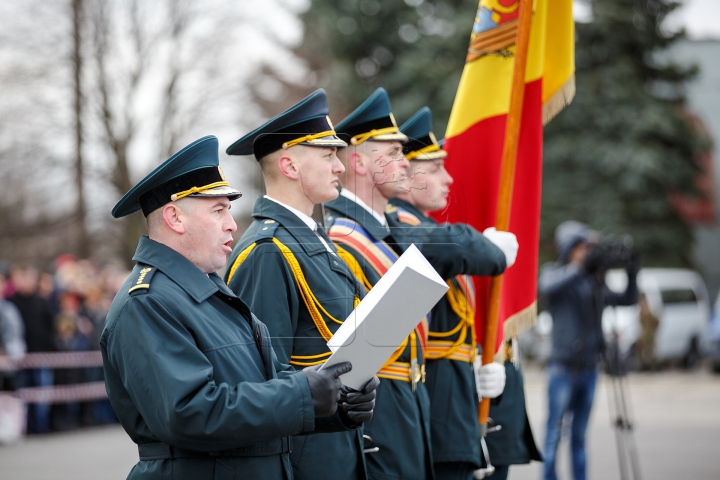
119 123
141 79
83 239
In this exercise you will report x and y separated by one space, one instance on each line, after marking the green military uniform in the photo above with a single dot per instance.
295 336
190 372
451 381
400 427
450 377
452 250
293 279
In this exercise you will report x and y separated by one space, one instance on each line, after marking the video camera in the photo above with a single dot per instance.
611 251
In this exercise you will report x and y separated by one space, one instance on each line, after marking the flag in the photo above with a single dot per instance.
475 135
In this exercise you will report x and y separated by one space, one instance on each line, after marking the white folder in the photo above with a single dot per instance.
385 317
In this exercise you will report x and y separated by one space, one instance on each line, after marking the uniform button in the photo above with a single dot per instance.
335 262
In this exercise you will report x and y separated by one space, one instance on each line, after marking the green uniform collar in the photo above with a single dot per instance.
346 207
305 237
179 269
400 203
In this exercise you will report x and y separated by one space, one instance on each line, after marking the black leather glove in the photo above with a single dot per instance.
358 405
325 387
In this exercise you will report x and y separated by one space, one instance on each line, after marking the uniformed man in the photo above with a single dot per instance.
189 370
375 166
284 251
451 347
376 172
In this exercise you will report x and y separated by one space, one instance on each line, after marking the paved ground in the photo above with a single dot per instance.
677 416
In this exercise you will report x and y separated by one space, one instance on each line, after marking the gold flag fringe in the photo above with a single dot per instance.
515 325
559 100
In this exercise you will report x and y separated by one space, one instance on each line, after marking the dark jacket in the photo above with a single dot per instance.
193 378
451 383
400 426
576 299
266 282
38 320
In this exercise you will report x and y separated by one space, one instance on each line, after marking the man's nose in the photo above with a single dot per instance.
231 225
448 179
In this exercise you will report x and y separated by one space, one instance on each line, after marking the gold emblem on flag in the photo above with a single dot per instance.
494 30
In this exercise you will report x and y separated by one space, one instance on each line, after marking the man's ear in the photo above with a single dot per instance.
357 163
173 217
288 166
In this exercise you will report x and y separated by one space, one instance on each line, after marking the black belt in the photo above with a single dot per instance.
160 451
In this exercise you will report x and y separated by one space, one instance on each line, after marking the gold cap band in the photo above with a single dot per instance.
358 139
308 138
429 149
177 196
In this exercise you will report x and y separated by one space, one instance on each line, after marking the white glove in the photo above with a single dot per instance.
489 379
505 241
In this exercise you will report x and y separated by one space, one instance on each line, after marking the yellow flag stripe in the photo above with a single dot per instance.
484 90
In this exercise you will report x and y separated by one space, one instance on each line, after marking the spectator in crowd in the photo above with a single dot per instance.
85 292
12 339
72 333
576 295
65 312
39 337
48 291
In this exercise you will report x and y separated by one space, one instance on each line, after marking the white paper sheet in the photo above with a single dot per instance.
386 316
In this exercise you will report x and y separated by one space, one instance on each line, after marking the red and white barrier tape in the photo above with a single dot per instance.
63 393
59 393
53 360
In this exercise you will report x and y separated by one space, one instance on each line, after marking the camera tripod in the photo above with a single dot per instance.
621 414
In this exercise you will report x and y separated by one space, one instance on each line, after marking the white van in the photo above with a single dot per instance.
677 297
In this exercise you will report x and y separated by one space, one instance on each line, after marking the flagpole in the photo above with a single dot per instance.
507 178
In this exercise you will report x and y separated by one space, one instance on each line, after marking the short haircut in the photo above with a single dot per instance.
155 218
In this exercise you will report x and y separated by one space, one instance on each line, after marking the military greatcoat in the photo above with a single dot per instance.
455 417
450 377
193 378
400 426
262 275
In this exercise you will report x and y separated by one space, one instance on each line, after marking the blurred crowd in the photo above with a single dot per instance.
59 310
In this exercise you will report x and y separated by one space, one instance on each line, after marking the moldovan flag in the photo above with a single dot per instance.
475 135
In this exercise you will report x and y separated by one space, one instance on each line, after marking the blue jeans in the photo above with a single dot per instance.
570 392
38 420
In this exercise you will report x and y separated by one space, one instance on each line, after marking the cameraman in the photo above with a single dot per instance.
576 294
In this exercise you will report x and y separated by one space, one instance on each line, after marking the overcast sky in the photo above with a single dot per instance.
701 18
